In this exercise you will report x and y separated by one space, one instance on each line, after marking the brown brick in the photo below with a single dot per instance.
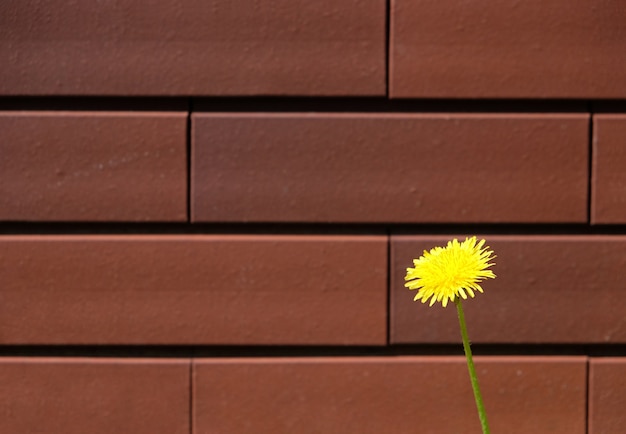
93 166
549 289
607 395
608 196
66 396
193 47
389 167
197 289
388 395
530 49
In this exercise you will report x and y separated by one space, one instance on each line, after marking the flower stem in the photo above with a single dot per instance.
482 414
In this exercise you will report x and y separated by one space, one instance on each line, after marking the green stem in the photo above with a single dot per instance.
482 414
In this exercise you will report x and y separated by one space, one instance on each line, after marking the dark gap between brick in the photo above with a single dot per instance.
97 228
181 351
305 104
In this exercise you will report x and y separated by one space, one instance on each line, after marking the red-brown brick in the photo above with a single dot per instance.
607 395
196 289
426 168
549 289
78 396
93 166
608 195
388 395
193 47
530 49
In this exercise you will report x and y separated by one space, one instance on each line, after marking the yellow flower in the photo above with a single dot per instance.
445 273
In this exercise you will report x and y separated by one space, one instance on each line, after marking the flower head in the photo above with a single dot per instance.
445 273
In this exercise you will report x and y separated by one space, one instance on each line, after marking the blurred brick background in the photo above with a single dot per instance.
207 209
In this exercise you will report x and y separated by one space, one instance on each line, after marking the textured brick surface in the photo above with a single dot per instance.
608 193
607 395
564 49
549 289
193 47
93 166
389 167
394 395
193 290
67 396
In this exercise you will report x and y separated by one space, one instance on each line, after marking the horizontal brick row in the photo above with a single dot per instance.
420 168
197 289
408 168
334 395
549 289
456 49
193 47
93 166
608 193
257 290
304 395
96 396
293 47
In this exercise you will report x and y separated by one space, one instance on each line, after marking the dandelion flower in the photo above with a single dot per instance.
445 273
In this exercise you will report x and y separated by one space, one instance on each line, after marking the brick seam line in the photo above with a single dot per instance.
188 139
587 402
191 395
387 46
590 160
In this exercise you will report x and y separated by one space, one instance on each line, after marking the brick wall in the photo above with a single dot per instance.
207 209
